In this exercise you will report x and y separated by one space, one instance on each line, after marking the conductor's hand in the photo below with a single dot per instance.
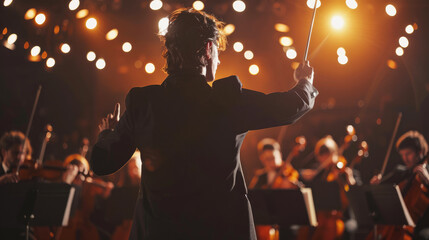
304 71
110 121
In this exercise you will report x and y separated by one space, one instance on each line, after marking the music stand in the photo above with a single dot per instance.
283 207
36 204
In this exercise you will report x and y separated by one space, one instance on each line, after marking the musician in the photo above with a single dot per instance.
12 146
192 133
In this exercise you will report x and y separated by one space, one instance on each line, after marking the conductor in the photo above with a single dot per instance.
190 133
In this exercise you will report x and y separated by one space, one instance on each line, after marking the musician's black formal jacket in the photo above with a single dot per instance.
190 135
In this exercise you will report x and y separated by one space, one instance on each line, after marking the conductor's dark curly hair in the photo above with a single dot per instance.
187 34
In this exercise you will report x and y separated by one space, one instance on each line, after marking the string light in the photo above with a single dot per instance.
337 22
198 5
390 10
403 42
100 63
310 4
286 41
163 25
149 68
90 56
7 3
280 27
343 59
30 14
341 51
239 6
50 62
91 23
35 51
12 38
352 4
248 55
40 18
82 13
399 51
229 29
112 34
126 47
65 48
254 69
238 46
155 5
409 29
74 4
291 53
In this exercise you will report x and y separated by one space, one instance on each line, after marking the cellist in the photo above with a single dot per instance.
413 179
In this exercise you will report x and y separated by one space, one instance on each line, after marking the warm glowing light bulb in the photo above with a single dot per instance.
198 5
163 25
91 23
280 27
248 55
149 68
390 10
65 48
112 34
229 29
30 14
286 41
254 69
100 63
238 46
399 51
82 13
40 18
126 47
352 4
337 22
50 62
74 4
409 29
90 56
7 3
35 51
341 51
403 42
310 3
291 53
239 6
155 5
343 59
12 38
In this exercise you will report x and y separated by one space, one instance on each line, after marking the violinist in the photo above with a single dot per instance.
413 180
12 146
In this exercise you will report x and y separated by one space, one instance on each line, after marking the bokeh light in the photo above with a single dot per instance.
7 3
149 68
286 41
341 51
155 5
90 56
74 4
56 29
403 42
343 59
399 51
239 6
112 34
126 47
229 29
44 55
248 55
409 29
280 27
310 3
198 5
238 46
390 10
30 14
294 65
100 63
65 48
254 69
40 18
392 64
50 62
163 25
82 13
337 22
291 53
35 51
91 23
352 4
12 38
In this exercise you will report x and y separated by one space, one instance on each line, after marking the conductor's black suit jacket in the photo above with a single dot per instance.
190 135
